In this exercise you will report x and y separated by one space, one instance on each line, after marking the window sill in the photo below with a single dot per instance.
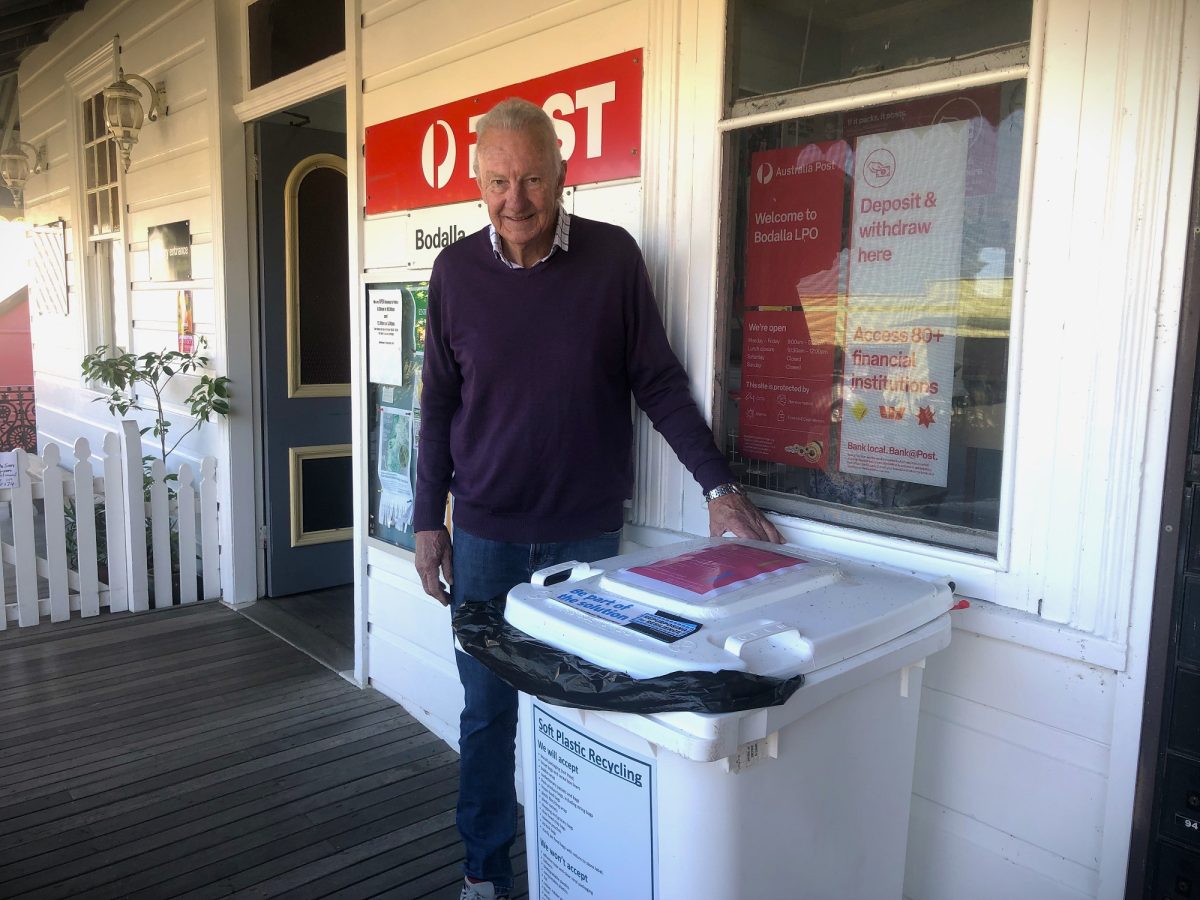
1018 627
982 617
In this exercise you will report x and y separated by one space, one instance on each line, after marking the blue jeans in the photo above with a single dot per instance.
487 796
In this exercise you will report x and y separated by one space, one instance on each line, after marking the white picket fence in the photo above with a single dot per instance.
34 540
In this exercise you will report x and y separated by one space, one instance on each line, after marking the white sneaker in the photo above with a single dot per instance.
482 890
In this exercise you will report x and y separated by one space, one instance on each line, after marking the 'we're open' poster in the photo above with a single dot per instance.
792 263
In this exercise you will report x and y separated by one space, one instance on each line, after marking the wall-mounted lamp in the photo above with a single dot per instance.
15 167
123 109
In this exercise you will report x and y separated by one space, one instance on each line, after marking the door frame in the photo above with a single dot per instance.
314 84
239 271
1185 392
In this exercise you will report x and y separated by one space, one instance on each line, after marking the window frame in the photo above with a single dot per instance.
105 302
1002 64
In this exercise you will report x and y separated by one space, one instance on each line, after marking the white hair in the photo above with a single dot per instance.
515 114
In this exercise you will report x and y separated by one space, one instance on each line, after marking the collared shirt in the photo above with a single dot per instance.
562 232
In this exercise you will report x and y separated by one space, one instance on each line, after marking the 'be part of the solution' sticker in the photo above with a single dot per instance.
654 623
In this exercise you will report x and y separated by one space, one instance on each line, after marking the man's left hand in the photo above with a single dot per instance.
736 514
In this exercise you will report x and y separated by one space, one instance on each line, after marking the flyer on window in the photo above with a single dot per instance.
902 306
185 322
394 467
385 350
793 260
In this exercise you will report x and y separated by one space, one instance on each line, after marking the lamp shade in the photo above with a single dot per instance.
14 169
123 115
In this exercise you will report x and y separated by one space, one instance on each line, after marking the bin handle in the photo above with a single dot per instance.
575 569
772 644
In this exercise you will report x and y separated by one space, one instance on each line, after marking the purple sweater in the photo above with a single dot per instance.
525 413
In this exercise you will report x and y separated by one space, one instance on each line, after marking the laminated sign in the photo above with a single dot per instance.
902 309
594 826
793 244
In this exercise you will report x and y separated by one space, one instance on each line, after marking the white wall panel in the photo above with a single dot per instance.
531 50
952 857
1011 774
395 36
399 605
1036 686
425 685
970 757
193 204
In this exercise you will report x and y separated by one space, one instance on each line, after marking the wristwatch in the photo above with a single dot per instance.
722 489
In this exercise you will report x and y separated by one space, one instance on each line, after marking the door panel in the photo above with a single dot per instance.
305 316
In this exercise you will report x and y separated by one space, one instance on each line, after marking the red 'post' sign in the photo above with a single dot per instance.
428 158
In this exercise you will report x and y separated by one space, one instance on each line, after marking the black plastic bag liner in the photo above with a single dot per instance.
566 680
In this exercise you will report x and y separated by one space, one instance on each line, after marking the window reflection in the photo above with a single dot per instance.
871 294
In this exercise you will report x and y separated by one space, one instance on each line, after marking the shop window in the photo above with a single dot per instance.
105 259
287 35
396 316
783 46
868 287
103 201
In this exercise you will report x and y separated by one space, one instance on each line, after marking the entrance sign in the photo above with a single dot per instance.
593 828
902 310
793 246
169 251
427 159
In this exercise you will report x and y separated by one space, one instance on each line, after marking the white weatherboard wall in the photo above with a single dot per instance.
464 48
168 181
171 179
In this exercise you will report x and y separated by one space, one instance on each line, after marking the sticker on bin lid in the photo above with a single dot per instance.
653 623
710 572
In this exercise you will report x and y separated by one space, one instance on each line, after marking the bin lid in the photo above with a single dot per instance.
714 603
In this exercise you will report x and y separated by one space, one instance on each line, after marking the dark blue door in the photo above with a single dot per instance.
305 351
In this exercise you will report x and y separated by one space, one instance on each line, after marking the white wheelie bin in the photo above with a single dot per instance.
808 800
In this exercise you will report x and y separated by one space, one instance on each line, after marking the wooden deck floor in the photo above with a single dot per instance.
189 753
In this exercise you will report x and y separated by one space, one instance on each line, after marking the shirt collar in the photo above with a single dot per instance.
562 233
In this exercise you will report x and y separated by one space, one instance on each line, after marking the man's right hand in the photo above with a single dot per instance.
435 554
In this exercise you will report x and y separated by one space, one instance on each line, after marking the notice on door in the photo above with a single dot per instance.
593 826
385 352
902 309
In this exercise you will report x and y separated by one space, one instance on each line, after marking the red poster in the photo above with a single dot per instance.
793 241
427 159
787 378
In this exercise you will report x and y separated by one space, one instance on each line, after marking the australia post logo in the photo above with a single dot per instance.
428 158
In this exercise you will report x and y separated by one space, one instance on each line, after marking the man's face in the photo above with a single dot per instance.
521 185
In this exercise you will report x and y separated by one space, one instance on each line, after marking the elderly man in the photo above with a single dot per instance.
540 327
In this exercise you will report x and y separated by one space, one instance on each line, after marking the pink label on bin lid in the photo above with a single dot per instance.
718 569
